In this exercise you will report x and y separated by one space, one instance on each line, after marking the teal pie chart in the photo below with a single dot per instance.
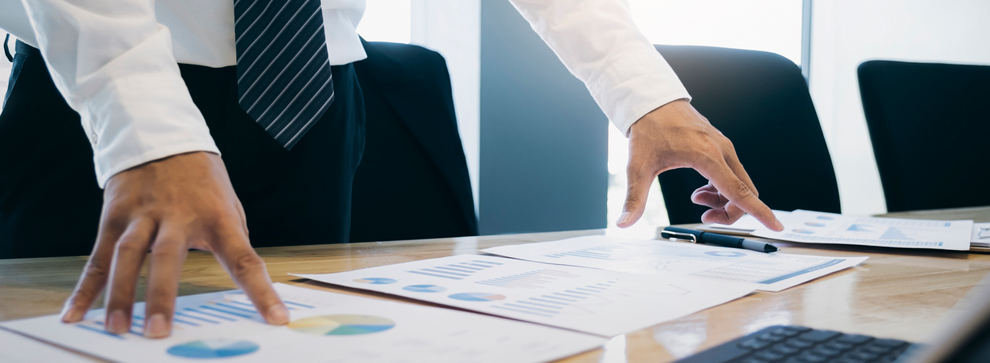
425 288
213 348
477 296
376 280
343 324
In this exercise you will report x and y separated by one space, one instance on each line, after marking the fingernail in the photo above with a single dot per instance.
624 218
278 315
780 226
117 323
156 327
71 315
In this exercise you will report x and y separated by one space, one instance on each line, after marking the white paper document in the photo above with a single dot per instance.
599 302
830 228
324 327
744 226
981 235
766 271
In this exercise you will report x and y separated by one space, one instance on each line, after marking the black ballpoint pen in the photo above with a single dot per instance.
716 239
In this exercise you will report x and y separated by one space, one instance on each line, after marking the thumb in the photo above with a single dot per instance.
636 194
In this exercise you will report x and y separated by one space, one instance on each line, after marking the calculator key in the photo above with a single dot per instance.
892 343
754 344
770 337
876 348
853 338
753 360
784 349
823 351
811 358
797 329
784 332
864 355
819 335
798 343
768 355
838 345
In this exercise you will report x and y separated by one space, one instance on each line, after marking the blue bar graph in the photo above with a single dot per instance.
456 271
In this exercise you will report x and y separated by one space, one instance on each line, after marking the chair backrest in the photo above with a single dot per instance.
930 128
760 101
413 181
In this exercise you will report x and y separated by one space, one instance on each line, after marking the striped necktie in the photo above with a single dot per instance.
283 72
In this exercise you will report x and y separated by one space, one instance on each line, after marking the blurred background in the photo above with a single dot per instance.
542 156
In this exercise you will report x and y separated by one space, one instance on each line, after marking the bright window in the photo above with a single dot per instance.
386 21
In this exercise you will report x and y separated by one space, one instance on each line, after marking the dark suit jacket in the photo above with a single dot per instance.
413 180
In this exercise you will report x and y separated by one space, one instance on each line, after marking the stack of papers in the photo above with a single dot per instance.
324 327
830 228
981 235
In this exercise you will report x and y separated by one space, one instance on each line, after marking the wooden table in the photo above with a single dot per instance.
896 293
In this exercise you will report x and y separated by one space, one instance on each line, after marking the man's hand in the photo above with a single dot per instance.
677 136
168 206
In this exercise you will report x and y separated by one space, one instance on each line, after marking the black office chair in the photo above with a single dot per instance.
413 180
760 101
930 127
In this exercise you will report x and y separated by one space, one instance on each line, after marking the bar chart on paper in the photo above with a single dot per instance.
768 272
594 301
226 326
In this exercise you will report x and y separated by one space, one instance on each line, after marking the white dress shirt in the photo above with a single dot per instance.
115 62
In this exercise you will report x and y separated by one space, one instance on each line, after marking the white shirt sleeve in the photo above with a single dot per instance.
600 44
113 63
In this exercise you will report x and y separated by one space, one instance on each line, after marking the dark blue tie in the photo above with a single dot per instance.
283 73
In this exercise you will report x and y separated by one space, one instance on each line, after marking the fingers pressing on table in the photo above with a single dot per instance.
167 255
96 273
249 272
128 257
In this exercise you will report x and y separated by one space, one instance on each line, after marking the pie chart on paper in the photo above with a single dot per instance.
425 288
376 280
212 348
342 324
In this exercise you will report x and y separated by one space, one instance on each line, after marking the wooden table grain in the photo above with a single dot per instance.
896 293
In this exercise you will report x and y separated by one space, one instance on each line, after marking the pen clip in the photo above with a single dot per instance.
678 236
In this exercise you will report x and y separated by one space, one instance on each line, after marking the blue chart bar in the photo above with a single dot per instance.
210 313
177 320
235 308
549 305
532 279
215 315
456 271
225 311
599 253
98 330
298 304
179 313
241 303
801 272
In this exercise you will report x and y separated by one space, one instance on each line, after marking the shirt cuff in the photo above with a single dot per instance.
137 119
638 82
